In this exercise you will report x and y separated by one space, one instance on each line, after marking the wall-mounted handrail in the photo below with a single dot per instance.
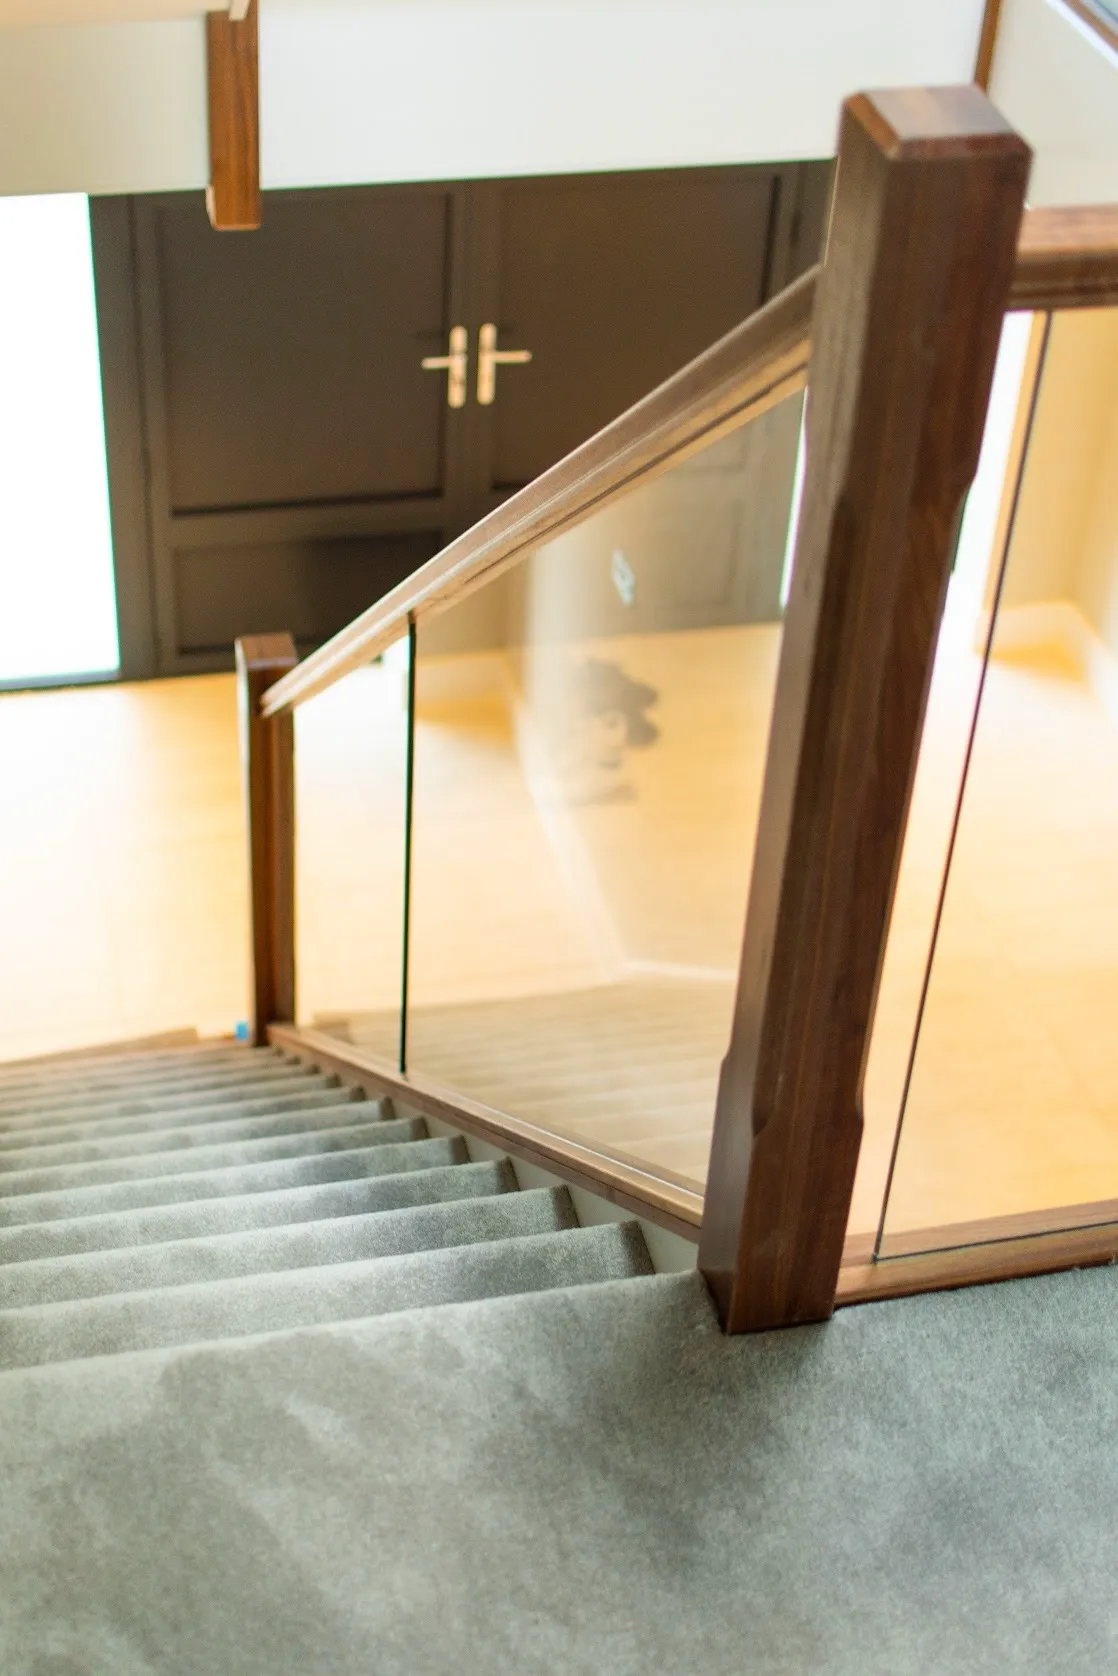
1066 258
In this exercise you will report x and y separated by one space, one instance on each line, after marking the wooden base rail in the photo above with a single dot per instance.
671 1202
927 1260
977 1253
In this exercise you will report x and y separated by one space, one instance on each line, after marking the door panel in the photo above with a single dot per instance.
292 356
301 462
613 283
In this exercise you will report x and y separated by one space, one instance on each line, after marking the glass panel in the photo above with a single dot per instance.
591 730
1012 1103
350 771
943 750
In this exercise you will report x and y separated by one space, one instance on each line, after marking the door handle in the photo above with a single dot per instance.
489 358
455 364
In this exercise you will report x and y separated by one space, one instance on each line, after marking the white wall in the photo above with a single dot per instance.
1056 80
117 107
382 90
360 90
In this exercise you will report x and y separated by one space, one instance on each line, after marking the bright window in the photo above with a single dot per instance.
57 600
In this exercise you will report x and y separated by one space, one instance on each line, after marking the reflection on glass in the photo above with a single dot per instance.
591 730
948 722
1012 1106
350 763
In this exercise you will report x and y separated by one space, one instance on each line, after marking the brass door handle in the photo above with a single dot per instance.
456 365
489 358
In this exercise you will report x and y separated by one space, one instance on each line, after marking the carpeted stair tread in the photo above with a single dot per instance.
249 1063
85 1145
591 1480
263 1303
233 1179
74 1105
344 1239
242 1095
153 1068
344 1137
198 1219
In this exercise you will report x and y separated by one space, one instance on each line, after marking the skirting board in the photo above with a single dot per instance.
1060 623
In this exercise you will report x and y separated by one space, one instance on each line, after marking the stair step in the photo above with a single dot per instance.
264 1095
151 1067
82 1144
280 1207
225 1309
54 1178
344 1239
308 1170
263 1071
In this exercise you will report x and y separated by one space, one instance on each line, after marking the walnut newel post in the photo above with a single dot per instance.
268 761
928 198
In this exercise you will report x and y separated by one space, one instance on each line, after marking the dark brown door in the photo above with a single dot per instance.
612 283
279 458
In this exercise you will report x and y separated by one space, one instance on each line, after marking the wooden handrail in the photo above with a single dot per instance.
1067 258
741 376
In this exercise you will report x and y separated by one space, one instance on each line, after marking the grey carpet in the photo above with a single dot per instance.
151 1224
174 1064
340 1291
227 1181
589 1481
230 1099
296 1389
57 1178
251 1251
77 1145
273 1075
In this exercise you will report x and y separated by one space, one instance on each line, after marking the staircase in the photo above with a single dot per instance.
236 1439
168 1198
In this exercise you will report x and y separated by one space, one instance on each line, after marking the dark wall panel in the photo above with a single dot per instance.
613 284
292 355
311 588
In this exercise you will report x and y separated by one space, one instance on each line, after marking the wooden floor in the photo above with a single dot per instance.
555 860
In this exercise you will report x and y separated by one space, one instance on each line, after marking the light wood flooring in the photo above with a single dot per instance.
577 912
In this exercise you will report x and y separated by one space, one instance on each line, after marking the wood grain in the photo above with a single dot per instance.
1067 258
268 762
908 319
623 1181
233 79
987 43
986 1230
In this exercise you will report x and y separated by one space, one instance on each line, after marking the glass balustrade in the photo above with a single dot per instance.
590 737
992 1088
350 776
